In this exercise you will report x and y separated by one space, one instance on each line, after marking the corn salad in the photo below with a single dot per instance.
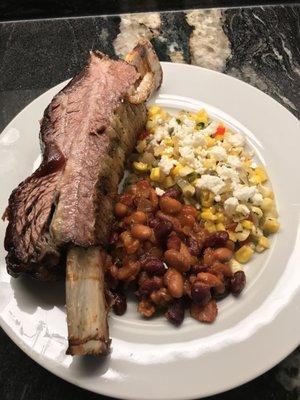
216 173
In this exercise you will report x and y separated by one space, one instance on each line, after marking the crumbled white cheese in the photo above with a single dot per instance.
210 182
245 193
242 209
217 198
159 134
210 129
236 139
166 164
257 199
218 152
159 191
230 205
234 161
227 173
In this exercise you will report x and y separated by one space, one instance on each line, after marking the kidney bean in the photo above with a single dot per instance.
176 260
120 303
147 287
205 313
169 205
173 192
219 296
153 265
195 269
141 232
237 282
174 242
162 231
200 293
194 246
175 312
169 218
174 282
216 239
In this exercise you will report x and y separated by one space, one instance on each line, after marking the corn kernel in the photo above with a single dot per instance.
188 190
209 163
259 248
232 236
220 217
155 174
210 141
243 235
207 215
153 110
168 182
266 192
261 172
206 198
243 254
264 242
168 141
139 166
235 266
202 116
255 179
267 204
247 224
220 226
210 226
271 225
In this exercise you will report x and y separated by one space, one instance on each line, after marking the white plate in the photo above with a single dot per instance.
153 360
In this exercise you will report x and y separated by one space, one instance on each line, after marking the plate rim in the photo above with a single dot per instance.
68 376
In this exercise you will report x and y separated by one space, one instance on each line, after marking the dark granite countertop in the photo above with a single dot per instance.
258 45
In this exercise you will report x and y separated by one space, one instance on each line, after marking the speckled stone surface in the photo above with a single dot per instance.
258 45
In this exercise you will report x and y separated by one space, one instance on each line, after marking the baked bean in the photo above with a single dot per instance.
177 260
169 205
174 242
137 217
186 220
216 239
153 199
200 293
194 246
184 251
187 287
210 280
221 269
129 271
223 254
121 210
141 232
146 308
205 313
131 245
120 303
187 209
175 312
230 245
127 199
208 257
111 275
237 282
174 282
161 297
